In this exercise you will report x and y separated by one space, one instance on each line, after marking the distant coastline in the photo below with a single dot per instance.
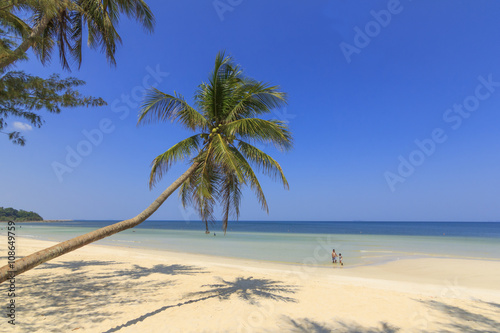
42 221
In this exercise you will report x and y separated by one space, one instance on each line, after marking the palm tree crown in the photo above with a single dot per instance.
227 119
63 24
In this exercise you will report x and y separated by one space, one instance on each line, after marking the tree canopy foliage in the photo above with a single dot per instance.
21 95
11 214
45 26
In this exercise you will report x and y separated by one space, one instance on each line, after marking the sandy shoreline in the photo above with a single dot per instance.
112 289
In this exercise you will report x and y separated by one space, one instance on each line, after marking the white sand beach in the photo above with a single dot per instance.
111 289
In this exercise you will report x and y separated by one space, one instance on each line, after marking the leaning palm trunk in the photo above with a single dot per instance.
25 45
37 258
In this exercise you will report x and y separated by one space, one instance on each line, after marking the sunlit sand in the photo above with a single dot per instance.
112 289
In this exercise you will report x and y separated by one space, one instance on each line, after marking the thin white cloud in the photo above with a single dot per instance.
22 126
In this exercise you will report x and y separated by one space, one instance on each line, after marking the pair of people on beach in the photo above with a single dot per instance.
335 256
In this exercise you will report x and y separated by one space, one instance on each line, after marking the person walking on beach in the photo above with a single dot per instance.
340 259
334 256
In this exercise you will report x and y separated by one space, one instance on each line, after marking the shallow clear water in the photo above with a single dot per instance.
361 243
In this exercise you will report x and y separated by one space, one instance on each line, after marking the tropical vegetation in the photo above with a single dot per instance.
45 26
23 95
11 214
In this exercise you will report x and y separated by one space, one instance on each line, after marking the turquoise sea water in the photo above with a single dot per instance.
361 243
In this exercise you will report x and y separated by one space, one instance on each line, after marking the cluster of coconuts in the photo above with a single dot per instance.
215 130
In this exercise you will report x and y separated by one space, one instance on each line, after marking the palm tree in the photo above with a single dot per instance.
227 121
62 23
220 156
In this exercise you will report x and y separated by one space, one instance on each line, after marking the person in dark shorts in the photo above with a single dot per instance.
334 256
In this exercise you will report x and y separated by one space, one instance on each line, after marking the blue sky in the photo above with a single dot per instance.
366 80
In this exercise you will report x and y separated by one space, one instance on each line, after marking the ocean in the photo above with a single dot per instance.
295 242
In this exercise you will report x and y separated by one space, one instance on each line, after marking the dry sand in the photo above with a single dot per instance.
111 289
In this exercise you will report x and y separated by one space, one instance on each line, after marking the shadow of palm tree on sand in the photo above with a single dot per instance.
247 289
486 320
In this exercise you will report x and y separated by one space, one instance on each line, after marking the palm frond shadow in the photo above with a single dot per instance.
248 289
496 305
465 320
307 325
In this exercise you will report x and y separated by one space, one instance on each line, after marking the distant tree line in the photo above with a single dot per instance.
11 214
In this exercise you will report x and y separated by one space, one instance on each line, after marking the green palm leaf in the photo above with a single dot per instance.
265 162
252 179
224 156
255 98
159 107
263 131
231 198
179 151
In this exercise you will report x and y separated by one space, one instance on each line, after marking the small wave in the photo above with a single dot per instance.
123 241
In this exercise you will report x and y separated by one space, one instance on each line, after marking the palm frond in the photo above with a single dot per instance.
13 24
138 10
159 107
184 192
205 191
260 130
43 46
77 24
215 98
265 162
231 198
255 98
182 150
251 178
101 28
215 88
224 156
